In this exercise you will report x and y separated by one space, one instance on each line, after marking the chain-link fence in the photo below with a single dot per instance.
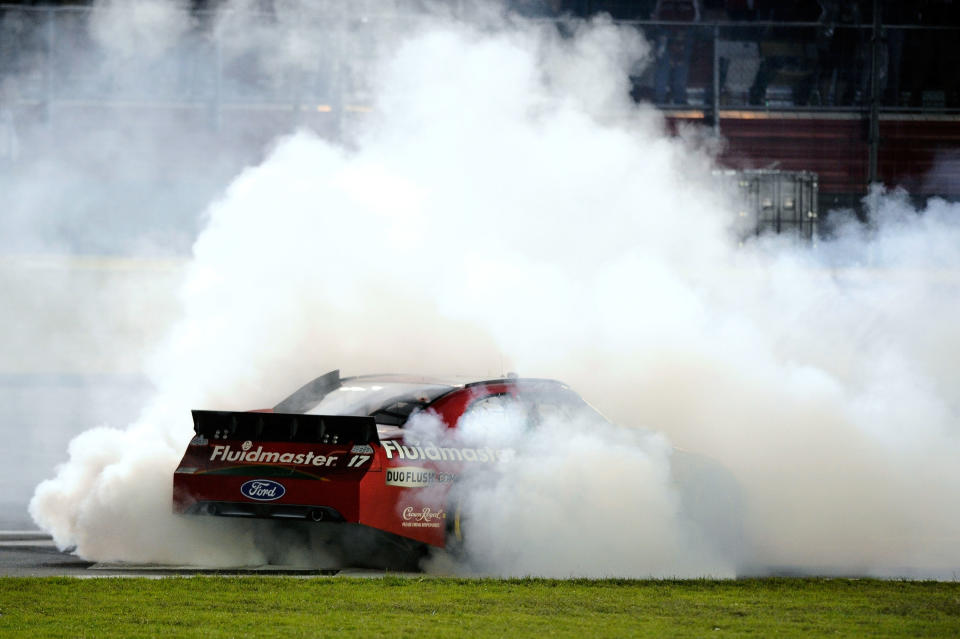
51 53
70 66
59 53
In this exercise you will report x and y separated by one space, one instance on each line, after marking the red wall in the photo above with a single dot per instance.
921 153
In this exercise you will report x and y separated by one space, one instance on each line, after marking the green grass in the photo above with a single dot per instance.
431 607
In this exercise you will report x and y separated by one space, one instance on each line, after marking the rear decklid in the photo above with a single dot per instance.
267 464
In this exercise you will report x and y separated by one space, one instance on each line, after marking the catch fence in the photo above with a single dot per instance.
54 59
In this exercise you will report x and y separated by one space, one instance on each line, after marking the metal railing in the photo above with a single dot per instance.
51 54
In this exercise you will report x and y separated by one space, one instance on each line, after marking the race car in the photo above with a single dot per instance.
335 452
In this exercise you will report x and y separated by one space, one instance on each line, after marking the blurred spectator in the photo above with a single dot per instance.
536 8
741 10
890 49
932 74
893 12
787 54
673 48
9 145
12 29
840 49
197 54
623 9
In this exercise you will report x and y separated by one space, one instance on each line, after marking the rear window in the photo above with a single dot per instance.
388 403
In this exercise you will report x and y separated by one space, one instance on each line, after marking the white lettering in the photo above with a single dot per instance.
447 453
357 460
388 448
225 453
433 452
424 518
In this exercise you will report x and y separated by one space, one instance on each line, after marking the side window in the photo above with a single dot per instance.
396 413
491 406
527 410
493 415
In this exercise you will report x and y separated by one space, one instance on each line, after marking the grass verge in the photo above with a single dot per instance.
433 607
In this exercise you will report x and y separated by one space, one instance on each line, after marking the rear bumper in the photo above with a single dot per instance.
262 511
222 495
357 498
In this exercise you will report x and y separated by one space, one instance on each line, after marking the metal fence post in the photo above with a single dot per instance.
338 101
874 135
716 78
48 82
216 106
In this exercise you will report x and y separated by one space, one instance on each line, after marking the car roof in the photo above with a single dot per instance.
389 378
452 381
311 392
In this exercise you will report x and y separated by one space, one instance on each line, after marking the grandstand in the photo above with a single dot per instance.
856 92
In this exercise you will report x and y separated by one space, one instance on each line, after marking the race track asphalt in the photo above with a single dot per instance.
33 554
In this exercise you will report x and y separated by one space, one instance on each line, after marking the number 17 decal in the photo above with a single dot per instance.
357 460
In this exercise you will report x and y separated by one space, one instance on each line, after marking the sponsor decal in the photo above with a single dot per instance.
247 445
422 517
362 449
432 452
357 461
413 477
262 489
261 456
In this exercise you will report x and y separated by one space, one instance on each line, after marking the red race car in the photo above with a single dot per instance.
335 452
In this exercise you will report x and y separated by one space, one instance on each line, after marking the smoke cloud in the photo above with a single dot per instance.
504 206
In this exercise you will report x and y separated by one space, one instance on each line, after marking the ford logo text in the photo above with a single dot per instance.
262 489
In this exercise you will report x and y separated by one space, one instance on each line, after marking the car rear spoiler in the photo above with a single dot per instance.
285 427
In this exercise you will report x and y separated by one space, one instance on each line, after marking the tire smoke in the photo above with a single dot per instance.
506 207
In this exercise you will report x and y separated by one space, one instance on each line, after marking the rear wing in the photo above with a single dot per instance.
284 427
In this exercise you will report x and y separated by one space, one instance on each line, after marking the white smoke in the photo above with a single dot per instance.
573 496
138 31
505 206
